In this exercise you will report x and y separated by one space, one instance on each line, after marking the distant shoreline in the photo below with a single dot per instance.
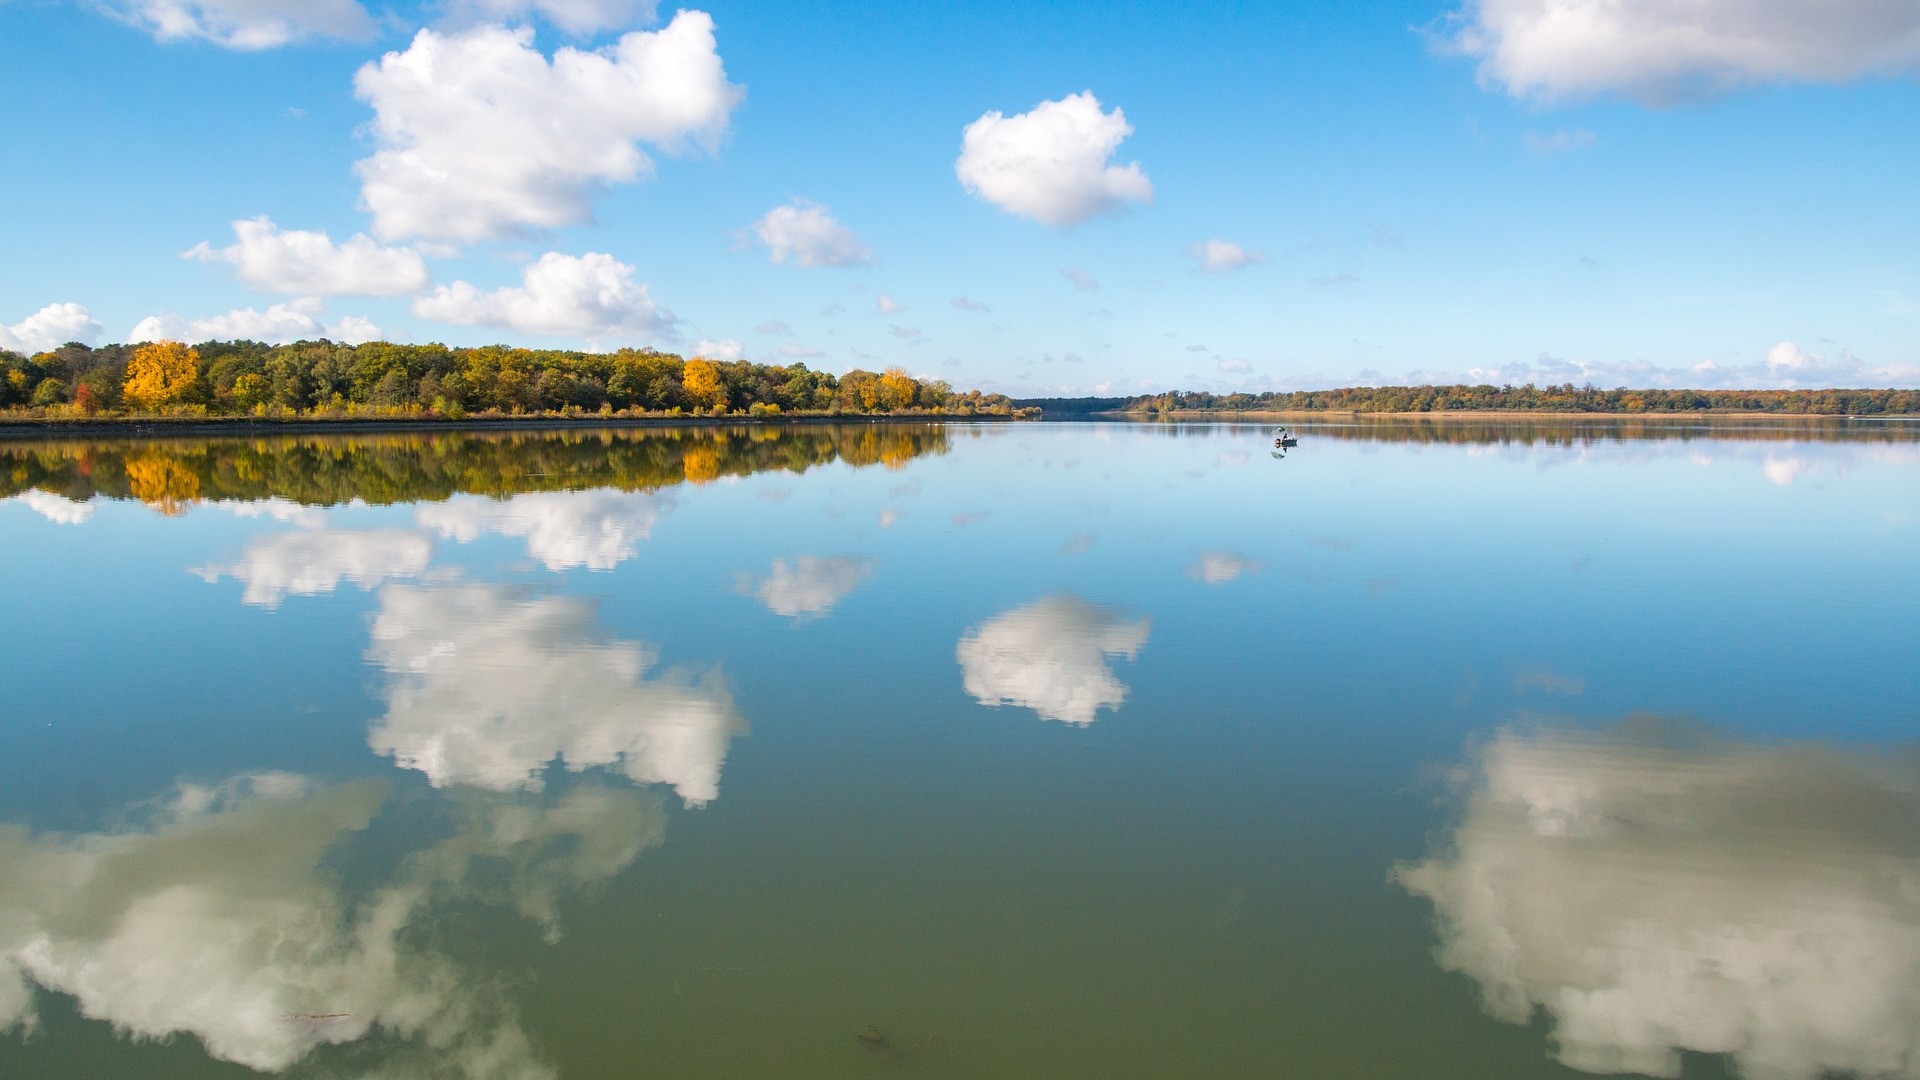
195 427
1480 414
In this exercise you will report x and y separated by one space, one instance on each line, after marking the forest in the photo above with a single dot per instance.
1547 399
318 379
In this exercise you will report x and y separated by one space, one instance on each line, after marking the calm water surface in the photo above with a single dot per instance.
1055 750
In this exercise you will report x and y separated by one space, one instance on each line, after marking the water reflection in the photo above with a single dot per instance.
809 586
598 530
173 475
276 508
487 684
1574 430
310 563
1051 657
221 917
1654 891
1220 567
57 508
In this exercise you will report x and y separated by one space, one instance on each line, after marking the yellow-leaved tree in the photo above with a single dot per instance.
897 389
160 373
700 378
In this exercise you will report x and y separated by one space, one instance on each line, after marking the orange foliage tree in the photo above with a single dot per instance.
700 378
160 373
897 389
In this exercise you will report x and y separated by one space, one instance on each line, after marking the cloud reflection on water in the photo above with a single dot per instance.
309 563
293 513
55 508
1221 567
488 684
222 917
565 530
1654 895
809 586
1051 657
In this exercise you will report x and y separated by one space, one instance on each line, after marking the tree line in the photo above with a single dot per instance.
1565 398
381 470
322 378
1568 430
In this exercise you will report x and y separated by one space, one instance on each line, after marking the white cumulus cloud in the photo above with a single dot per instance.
1219 256
598 530
478 135
309 563
727 349
248 24
1662 50
590 296
487 685
806 235
1051 657
295 320
1053 164
809 586
49 328
1657 895
265 256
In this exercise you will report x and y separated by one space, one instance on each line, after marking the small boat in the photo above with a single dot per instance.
1282 438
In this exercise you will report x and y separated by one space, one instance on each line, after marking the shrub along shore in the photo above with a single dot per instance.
381 381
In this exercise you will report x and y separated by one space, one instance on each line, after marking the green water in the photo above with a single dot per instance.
1008 750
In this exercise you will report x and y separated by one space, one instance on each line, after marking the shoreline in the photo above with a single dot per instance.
195 427
1482 414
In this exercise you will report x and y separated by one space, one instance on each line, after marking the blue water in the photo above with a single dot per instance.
1013 750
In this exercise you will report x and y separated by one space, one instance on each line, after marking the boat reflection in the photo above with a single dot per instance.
1654 891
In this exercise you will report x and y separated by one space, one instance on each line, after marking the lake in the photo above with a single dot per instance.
1433 749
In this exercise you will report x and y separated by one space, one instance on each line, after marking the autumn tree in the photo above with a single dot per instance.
859 391
700 378
160 373
897 389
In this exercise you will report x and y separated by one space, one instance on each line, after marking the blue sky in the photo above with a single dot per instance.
1643 192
